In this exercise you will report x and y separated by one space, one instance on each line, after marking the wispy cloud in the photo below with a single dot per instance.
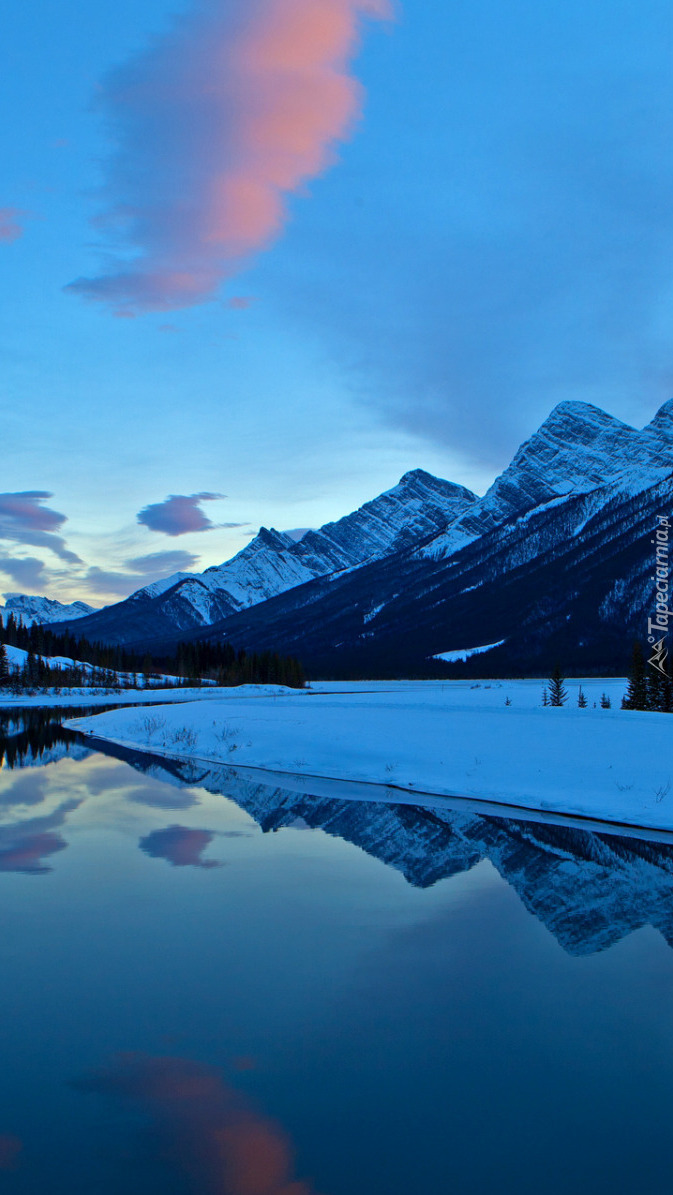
214 125
137 572
28 572
164 562
25 519
10 226
180 514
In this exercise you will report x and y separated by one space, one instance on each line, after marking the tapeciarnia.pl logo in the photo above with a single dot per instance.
658 625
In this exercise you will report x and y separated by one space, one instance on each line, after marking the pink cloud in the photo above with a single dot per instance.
10 228
239 105
241 302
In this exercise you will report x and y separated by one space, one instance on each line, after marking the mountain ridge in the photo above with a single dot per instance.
429 568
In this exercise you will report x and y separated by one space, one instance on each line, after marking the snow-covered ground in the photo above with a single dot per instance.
445 738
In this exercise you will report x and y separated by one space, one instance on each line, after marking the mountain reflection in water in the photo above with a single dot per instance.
590 889
213 983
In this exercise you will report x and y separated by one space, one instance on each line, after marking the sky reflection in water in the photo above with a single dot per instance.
251 991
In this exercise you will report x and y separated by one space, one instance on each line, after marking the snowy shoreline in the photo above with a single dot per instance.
454 740
123 697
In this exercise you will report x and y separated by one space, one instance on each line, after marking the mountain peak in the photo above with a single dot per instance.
571 416
663 420
577 448
417 475
31 607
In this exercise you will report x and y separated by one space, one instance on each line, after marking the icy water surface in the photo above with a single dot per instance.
216 986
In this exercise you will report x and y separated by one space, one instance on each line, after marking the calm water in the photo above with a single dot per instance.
215 986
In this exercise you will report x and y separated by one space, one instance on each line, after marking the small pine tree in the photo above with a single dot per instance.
545 697
581 699
508 701
558 694
4 665
606 704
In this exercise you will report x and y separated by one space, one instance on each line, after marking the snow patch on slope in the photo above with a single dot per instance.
465 653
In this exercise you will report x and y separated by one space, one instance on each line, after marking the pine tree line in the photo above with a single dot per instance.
647 689
111 667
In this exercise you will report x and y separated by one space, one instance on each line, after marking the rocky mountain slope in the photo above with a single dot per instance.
555 562
570 581
273 562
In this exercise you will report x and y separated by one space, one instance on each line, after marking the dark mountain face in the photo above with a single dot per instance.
570 581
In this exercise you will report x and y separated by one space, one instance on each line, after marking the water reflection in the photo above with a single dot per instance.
10 1152
201 1128
590 889
393 1007
33 735
180 846
25 845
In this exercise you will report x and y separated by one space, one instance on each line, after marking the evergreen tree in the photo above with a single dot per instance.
545 696
659 695
558 694
606 704
637 696
581 699
4 666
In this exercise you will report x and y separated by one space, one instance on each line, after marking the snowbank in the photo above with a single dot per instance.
443 738
85 696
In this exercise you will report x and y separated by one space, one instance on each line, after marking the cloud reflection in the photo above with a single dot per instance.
180 846
25 845
28 788
204 1129
10 1150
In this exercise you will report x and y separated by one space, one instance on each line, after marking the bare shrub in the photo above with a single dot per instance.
185 736
151 725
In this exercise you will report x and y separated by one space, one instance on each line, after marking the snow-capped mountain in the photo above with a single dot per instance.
578 448
555 562
273 562
32 608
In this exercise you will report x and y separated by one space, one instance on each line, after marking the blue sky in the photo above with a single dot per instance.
492 235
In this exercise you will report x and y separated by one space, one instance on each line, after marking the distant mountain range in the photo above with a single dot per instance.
554 561
31 608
